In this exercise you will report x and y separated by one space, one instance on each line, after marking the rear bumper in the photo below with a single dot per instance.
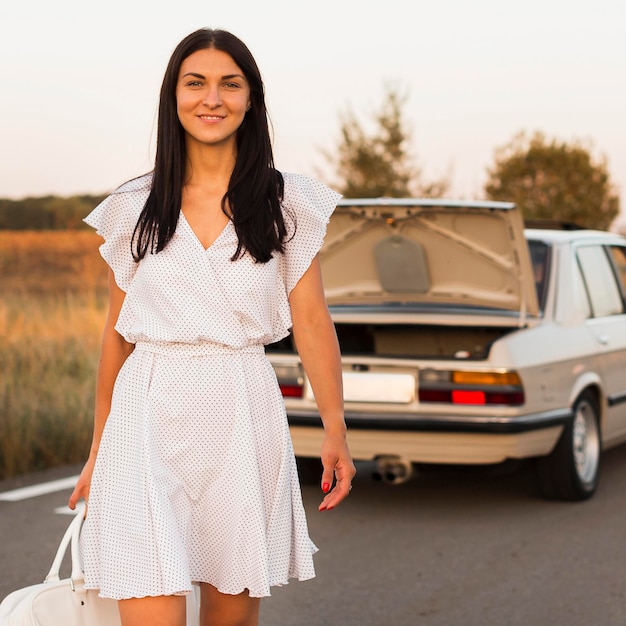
441 423
423 439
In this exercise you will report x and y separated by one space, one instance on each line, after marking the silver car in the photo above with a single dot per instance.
468 340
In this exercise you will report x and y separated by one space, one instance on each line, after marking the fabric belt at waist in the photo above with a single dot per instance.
196 349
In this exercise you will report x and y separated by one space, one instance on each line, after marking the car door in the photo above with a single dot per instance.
608 325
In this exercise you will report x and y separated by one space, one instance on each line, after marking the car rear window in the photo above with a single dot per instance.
540 259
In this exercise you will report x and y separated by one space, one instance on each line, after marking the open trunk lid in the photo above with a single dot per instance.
429 252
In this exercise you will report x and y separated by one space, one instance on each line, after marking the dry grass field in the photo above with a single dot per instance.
52 308
50 262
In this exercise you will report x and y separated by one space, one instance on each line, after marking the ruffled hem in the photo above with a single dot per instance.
114 220
311 203
254 591
225 589
113 596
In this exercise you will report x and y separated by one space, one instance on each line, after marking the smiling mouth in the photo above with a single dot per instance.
211 118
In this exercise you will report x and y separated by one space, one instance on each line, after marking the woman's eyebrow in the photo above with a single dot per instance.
227 77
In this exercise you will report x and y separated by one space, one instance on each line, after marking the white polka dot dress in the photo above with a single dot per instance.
195 478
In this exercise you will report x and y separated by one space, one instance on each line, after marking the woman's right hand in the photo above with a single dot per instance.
81 490
113 353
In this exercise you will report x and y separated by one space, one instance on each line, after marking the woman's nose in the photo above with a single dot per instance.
212 98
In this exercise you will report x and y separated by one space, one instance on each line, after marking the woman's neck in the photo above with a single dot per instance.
209 166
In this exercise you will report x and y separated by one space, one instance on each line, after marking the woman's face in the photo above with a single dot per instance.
212 97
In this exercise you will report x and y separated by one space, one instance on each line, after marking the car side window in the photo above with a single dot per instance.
618 256
600 281
580 293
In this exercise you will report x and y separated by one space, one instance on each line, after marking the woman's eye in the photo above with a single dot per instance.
194 83
231 85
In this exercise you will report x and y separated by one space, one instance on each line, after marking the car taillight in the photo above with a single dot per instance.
467 387
291 391
463 396
290 379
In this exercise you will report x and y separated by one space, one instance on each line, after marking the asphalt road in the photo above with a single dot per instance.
453 548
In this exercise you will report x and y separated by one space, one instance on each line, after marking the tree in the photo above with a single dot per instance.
379 164
47 212
553 180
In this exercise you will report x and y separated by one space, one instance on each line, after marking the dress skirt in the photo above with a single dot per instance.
195 478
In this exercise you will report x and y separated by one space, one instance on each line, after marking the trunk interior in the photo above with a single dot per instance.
410 341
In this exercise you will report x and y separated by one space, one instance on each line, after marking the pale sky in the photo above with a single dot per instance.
80 80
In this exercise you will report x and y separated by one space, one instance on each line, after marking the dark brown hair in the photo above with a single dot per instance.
255 189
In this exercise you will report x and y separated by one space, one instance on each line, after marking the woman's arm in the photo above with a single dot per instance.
316 341
114 351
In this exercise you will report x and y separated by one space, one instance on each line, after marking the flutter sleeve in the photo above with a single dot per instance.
114 220
308 205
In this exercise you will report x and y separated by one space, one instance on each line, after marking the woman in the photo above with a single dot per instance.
191 475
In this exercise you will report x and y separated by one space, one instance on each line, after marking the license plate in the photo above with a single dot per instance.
373 387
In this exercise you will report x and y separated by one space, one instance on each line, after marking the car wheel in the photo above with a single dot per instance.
309 470
572 470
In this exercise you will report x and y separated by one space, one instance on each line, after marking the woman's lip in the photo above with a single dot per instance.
211 117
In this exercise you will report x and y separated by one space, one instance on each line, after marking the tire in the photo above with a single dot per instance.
309 470
572 470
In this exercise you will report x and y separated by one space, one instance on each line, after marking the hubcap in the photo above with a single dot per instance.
586 443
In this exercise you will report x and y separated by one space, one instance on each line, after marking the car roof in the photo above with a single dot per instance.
568 236
424 202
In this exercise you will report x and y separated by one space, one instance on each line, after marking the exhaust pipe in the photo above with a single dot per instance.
393 470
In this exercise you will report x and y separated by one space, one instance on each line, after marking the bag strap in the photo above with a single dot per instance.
71 536
77 570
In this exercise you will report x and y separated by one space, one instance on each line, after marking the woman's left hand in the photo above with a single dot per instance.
338 465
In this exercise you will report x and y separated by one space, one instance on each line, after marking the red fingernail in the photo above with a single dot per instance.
326 487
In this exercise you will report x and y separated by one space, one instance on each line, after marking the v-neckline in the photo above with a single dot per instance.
193 233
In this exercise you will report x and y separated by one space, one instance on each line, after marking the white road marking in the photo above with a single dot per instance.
23 493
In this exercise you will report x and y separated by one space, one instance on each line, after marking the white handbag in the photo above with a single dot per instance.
66 602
